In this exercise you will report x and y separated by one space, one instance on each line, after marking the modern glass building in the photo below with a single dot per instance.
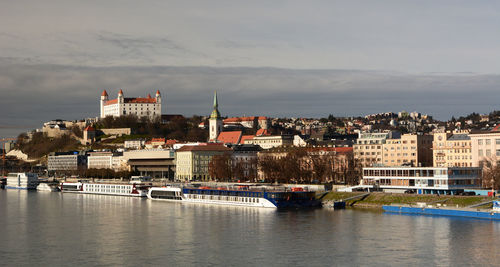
422 180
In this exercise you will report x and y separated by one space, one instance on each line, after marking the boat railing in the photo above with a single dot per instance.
249 189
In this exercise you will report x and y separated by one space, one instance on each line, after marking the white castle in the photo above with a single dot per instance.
141 107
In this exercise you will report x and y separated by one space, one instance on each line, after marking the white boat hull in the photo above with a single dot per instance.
125 190
206 199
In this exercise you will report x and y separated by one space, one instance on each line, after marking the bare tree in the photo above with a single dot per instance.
491 175
220 168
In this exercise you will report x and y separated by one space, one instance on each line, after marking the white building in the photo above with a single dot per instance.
141 107
105 160
267 142
66 161
134 144
485 147
422 180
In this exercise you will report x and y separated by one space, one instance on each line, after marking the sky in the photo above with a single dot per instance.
272 58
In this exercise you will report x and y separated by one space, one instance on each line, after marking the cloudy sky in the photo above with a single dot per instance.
275 58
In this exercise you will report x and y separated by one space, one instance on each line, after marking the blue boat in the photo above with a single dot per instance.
489 214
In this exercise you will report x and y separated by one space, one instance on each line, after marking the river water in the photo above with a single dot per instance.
43 228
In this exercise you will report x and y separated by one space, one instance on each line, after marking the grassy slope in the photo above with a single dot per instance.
379 199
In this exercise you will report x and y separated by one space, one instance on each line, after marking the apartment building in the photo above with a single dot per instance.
106 160
409 150
192 161
368 147
452 149
66 161
485 146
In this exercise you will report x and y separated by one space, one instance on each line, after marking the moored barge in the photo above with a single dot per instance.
490 214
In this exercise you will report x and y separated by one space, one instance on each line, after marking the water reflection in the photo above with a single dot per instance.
57 229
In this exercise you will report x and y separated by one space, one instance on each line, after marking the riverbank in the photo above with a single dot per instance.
377 199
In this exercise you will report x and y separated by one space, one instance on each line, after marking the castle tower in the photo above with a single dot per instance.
104 98
158 97
120 97
215 121
121 102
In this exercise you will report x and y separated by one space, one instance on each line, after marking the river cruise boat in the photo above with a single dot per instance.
130 190
239 196
22 180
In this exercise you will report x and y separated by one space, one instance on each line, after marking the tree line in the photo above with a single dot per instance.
292 165
178 128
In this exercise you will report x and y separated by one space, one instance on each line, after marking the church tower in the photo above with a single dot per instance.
104 98
215 121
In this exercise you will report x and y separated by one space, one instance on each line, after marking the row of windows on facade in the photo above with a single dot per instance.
371 159
130 109
487 141
398 161
371 142
420 182
399 154
368 147
465 157
456 164
404 141
366 153
454 151
266 141
418 172
463 144
488 153
399 148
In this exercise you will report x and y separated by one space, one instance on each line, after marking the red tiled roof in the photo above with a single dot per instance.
89 128
232 137
121 92
240 119
262 132
158 92
262 118
158 140
140 100
111 102
229 120
171 142
104 93
246 137
149 95
132 100
215 147
496 129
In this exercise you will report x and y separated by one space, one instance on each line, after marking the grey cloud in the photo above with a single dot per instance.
144 45
32 94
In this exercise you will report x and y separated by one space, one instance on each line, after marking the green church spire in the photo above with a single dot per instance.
215 112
